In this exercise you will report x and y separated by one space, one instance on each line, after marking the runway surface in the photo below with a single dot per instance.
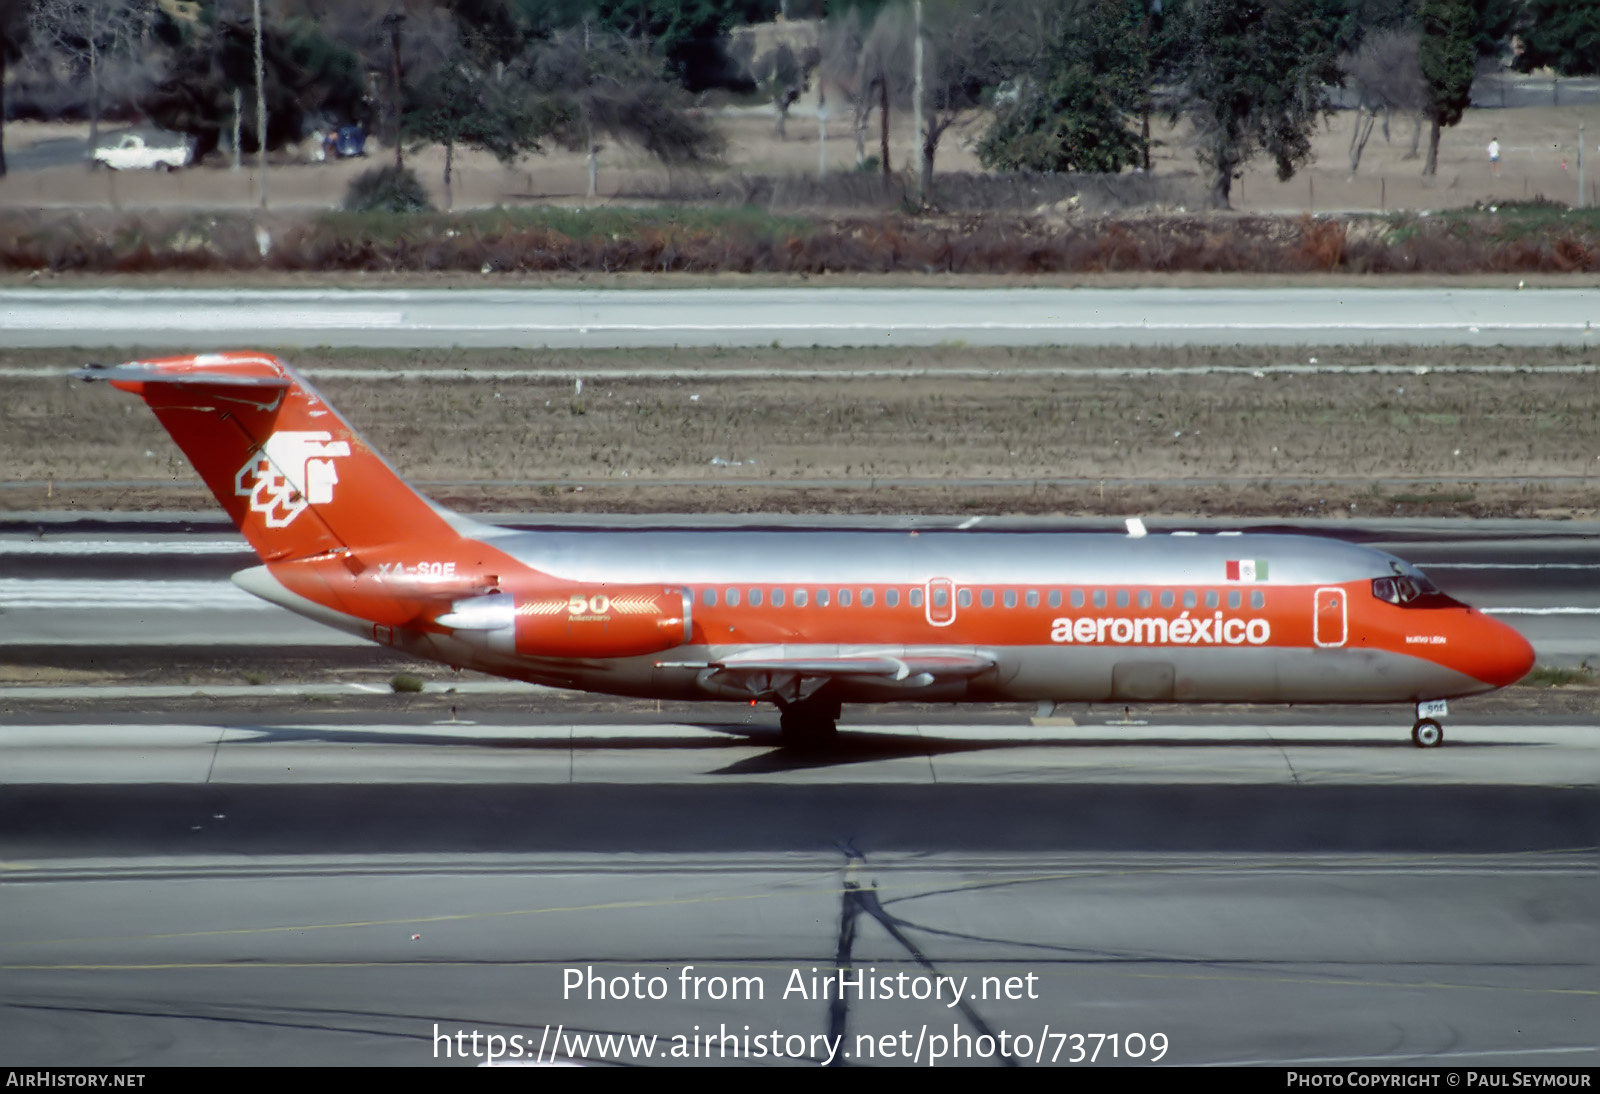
797 317
224 890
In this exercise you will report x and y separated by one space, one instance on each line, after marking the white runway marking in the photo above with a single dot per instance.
73 547
19 593
169 318
1511 565
1422 1057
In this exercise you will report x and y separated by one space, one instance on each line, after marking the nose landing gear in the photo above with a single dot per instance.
1428 733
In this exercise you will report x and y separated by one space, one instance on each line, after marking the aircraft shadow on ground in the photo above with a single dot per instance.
853 746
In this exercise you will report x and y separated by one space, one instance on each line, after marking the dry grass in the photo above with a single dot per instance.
1442 443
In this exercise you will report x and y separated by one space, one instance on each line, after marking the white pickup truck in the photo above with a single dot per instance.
133 153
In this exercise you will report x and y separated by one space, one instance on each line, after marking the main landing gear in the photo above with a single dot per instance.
811 724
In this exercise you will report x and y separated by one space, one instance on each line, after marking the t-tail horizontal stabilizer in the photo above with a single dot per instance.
296 479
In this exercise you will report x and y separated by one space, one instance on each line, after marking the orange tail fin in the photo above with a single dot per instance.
293 475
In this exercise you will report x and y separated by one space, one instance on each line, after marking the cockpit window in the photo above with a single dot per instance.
1410 591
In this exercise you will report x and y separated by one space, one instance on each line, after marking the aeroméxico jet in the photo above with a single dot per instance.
807 620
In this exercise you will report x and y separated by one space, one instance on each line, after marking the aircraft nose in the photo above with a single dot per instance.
1503 656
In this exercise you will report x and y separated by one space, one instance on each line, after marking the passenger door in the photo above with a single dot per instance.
941 602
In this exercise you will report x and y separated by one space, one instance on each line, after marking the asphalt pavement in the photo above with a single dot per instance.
265 889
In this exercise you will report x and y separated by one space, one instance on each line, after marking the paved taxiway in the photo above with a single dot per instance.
798 317
269 888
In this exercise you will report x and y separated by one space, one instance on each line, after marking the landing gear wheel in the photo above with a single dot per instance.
1427 733
809 734
811 725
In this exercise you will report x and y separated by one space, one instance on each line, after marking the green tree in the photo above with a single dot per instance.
1497 21
14 35
307 73
1563 35
1448 58
691 35
782 70
88 34
1251 76
460 104
1071 110
594 82
493 31
970 48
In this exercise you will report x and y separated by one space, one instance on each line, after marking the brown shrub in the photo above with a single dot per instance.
1322 243
952 243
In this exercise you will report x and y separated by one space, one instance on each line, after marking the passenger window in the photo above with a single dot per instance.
822 598
1211 598
1188 598
891 598
986 598
777 598
915 598
1077 598
1032 599
800 598
1166 598
1011 598
1099 598
733 598
1233 598
866 598
1144 598
1055 598
1122 598
708 597
1258 599
844 598
964 598
755 598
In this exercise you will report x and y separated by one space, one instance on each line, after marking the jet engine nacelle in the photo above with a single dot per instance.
603 621
576 621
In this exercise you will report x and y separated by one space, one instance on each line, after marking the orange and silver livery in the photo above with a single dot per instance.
807 620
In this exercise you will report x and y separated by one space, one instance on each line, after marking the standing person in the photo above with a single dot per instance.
1494 155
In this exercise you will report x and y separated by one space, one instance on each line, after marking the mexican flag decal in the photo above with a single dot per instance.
1247 569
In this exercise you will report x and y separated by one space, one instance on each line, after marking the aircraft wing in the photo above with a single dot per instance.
947 666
